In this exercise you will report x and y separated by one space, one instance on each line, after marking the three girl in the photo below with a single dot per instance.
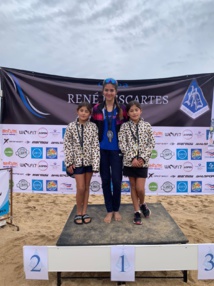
136 142
82 157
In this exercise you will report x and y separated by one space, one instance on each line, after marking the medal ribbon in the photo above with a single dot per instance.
135 137
81 140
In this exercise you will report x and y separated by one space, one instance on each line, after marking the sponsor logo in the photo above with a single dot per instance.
210 154
37 185
205 176
43 165
23 184
150 175
63 132
40 142
27 132
7 140
10 164
157 134
63 166
194 103
27 165
66 187
182 187
185 176
8 152
55 166
196 186
36 152
187 134
155 166
173 167
210 166
187 166
184 144
42 132
209 187
154 154
167 187
199 166
167 154
196 154
51 186
182 154
22 152
9 131
51 153
56 142
173 134
55 132
95 186
199 134
125 187
153 187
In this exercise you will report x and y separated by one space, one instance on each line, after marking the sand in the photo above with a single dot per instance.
41 218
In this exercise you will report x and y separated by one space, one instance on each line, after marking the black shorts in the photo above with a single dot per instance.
135 172
80 170
83 170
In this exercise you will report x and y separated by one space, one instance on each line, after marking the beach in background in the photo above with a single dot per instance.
41 218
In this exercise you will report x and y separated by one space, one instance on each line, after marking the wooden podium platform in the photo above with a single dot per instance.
158 229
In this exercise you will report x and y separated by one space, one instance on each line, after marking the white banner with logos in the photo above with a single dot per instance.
4 193
181 162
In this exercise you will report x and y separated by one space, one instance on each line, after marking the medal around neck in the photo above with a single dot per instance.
110 135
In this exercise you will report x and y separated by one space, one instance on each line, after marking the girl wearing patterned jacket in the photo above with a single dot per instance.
136 142
108 116
82 157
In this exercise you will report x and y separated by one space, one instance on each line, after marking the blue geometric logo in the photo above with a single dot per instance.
182 187
37 185
36 152
194 103
182 154
210 166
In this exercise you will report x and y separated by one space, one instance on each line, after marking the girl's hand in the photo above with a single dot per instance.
141 162
135 163
71 168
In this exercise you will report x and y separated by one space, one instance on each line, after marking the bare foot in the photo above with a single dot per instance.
108 217
117 216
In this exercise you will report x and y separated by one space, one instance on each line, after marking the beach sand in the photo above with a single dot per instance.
41 218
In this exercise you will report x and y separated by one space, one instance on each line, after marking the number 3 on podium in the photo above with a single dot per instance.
206 261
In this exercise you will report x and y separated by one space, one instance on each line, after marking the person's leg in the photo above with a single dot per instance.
135 199
140 187
80 186
116 174
134 194
86 195
106 183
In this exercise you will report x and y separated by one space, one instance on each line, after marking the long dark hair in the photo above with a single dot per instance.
115 84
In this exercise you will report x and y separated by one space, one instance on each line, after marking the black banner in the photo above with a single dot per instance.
36 98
